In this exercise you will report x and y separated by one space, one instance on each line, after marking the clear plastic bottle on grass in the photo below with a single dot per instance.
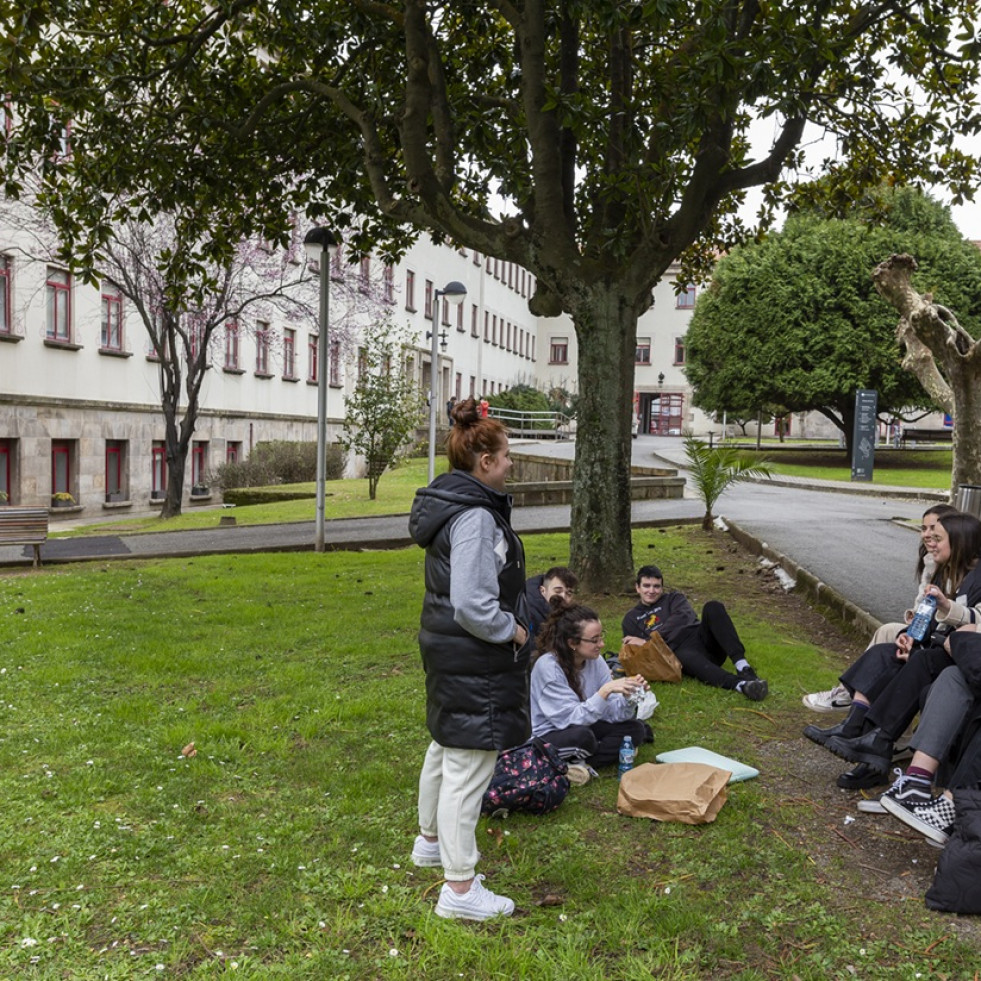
627 755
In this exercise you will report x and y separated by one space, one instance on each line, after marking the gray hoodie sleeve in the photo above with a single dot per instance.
477 555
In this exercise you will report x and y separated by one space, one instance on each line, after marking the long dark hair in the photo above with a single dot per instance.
964 532
939 510
472 435
562 629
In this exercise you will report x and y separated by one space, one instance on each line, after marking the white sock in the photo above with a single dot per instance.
741 663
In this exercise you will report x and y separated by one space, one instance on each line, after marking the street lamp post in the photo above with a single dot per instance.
454 293
320 247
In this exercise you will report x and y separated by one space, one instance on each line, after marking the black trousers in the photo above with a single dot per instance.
705 647
898 703
601 740
873 671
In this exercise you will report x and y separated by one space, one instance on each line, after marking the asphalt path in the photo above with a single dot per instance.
861 544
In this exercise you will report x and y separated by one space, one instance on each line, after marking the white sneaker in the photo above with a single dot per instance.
476 904
425 854
828 701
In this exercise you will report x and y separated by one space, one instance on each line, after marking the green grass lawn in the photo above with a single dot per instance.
281 849
345 499
902 468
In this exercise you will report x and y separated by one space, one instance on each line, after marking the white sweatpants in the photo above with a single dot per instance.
451 789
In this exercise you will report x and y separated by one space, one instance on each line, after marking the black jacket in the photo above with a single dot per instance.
671 616
476 690
957 883
535 606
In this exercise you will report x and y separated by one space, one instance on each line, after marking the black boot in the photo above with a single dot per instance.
848 728
874 748
861 777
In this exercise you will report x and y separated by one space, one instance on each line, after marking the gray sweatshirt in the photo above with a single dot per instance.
554 705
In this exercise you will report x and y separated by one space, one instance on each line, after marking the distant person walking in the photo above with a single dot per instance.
474 651
484 408
449 410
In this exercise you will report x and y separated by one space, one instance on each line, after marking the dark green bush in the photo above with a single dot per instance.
279 462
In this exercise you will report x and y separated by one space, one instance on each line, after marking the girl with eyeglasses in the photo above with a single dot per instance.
575 701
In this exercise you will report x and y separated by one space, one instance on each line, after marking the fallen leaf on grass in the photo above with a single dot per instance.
189 751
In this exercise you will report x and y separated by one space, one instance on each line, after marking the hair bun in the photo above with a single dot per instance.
465 413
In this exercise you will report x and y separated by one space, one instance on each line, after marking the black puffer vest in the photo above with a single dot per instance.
476 690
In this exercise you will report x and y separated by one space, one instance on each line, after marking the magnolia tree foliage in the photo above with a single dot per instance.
385 408
796 321
592 143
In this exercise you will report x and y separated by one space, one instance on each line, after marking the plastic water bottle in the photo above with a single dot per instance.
627 754
925 610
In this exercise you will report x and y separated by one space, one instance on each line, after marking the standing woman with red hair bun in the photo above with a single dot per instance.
475 651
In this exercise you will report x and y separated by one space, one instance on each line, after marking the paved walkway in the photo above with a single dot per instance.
855 538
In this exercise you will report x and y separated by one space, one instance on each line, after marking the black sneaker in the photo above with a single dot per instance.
935 820
905 794
755 689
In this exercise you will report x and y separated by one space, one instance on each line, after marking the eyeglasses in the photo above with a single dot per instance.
595 641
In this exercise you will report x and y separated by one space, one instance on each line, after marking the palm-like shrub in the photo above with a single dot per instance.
712 469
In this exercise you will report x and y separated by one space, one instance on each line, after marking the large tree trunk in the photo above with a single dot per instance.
952 375
600 545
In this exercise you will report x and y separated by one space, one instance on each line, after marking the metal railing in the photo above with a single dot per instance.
521 422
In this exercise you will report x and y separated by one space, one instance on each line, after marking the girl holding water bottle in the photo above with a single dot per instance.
575 701
888 679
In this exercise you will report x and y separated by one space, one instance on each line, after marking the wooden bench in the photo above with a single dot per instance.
24 526
913 435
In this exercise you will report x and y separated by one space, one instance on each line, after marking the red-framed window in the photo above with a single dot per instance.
58 296
6 321
199 461
289 353
232 345
680 354
61 466
195 335
642 353
364 274
388 282
686 299
115 464
473 386
262 348
558 350
112 317
233 451
337 263
6 460
457 384
427 311
158 467
313 358
410 290
474 320
334 363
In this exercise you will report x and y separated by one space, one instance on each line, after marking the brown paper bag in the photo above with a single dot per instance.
654 660
692 793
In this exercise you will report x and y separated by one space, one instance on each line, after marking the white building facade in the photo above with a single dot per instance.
80 395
